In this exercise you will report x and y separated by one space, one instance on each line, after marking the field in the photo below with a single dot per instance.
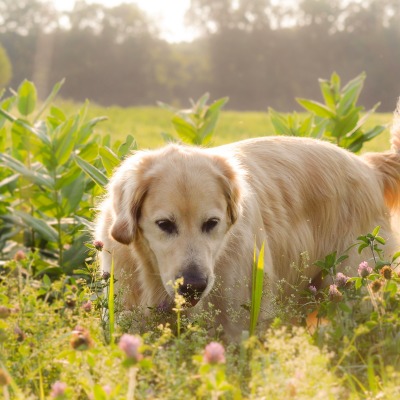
145 124
63 334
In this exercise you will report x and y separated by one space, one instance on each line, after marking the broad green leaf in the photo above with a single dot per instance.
317 108
50 98
27 98
126 147
38 225
97 176
328 94
64 141
109 159
72 195
30 174
350 94
185 131
279 123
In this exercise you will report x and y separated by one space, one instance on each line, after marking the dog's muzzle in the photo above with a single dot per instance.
193 286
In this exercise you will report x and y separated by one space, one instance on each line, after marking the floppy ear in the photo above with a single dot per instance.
230 180
127 189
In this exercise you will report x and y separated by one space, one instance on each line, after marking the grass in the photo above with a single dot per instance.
147 123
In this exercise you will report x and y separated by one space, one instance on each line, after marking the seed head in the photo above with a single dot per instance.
341 280
130 345
98 244
334 294
58 389
70 301
214 353
4 312
81 339
364 269
376 285
386 272
4 378
20 335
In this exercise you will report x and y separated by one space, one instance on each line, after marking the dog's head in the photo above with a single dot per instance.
180 202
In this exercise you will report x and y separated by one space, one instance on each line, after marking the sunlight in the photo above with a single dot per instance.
169 15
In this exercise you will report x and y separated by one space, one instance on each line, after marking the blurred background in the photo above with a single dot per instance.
260 53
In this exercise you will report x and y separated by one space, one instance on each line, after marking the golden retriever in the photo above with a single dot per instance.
197 214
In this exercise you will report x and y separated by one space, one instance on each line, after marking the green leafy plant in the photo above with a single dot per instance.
339 119
195 125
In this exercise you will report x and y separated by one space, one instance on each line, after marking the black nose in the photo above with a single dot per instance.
194 284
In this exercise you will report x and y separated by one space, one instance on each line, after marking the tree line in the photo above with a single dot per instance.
260 53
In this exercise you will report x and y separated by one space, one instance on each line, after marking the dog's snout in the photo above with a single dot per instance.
193 286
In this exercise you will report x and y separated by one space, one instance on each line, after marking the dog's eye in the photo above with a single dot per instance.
167 226
209 225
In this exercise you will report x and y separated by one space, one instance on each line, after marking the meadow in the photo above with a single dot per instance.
63 334
146 124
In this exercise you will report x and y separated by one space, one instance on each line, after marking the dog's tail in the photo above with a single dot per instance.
388 165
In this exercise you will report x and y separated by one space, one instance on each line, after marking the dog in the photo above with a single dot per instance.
199 213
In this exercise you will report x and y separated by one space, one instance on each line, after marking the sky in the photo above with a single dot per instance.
169 13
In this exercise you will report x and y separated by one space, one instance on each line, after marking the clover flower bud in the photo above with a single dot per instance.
130 345
19 255
81 339
341 280
214 353
334 294
364 269
312 289
98 244
106 276
58 389
87 306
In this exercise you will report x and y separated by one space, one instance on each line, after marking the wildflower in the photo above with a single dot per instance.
106 276
19 255
107 389
58 389
364 269
386 272
341 279
130 345
312 289
334 294
4 378
214 353
98 244
87 306
376 285
81 339
4 312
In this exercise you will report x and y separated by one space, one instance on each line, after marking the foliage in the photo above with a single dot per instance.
54 323
338 120
5 68
46 201
197 124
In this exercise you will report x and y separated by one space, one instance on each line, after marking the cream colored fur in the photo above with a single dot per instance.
295 194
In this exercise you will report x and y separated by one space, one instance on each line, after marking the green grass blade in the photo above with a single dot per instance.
111 314
257 287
